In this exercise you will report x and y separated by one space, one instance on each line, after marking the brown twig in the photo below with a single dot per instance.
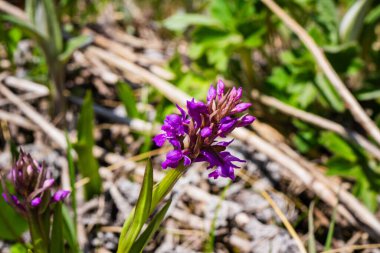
357 213
319 122
12 10
351 103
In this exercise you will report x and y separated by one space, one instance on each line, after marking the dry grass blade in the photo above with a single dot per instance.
319 185
319 122
285 221
34 116
12 10
351 103
353 248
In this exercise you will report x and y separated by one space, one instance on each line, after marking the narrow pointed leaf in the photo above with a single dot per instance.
69 231
148 233
142 211
73 193
53 26
126 96
72 45
56 242
87 164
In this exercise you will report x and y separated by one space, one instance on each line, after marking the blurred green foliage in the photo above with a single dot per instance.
244 42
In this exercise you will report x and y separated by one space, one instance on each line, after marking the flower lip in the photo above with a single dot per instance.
36 202
60 195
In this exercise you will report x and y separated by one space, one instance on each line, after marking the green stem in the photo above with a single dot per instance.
247 65
38 233
160 191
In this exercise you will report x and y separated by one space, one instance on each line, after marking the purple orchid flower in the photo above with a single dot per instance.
194 134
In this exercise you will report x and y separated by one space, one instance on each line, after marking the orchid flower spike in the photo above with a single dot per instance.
195 134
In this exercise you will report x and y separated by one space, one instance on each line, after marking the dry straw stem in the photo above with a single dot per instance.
351 103
357 213
319 122
284 220
54 133
352 248
12 10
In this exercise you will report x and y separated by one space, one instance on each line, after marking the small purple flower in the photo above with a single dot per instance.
241 107
206 132
211 94
36 201
220 89
194 134
60 195
173 159
32 186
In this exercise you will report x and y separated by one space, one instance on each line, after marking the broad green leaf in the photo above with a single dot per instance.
307 96
327 17
126 95
56 242
19 248
142 211
72 45
152 227
221 10
353 20
179 22
87 164
338 166
12 225
337 146
329 93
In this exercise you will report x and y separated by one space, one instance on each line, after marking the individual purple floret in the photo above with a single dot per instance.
32 186
195 134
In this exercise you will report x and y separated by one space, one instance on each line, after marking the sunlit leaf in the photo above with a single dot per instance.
141 213
87 164
152 227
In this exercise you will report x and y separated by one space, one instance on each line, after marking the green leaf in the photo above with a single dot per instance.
12 225
373 15
26 27
311 241
72 45
369 94
329 93
337 146
352 22
152 227
56 242
127 96
179 22
69 231
338 166
73 194
53 25
19 248
221 10
160 190
142 211
330 233
87 164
